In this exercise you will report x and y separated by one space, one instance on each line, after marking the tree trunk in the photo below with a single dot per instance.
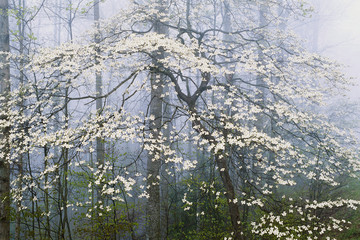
21 29
100 148
221 162
65 153
154 159
153 162
99 103
230 195
260 122
5 131
166 179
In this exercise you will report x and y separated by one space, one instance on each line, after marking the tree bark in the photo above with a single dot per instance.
220 157
221 162
230 195
100 146
154 163
99 102
166 178
154 159
21 29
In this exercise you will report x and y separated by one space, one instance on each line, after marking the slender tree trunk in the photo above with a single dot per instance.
57 183
57 29
4 131
260 122
65 154
221 163
70 20
18 205
100 145
230 195
154 158
166 178
99 102
21 29
46 192
65 222
100 148
92 195
59 199
154 162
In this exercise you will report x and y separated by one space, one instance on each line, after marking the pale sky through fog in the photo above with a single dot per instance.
339 35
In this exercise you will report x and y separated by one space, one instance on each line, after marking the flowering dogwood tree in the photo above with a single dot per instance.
231 81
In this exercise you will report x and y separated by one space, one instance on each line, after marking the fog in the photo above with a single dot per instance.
339 35
185 119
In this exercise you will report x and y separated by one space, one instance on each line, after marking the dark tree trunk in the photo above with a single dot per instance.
4 131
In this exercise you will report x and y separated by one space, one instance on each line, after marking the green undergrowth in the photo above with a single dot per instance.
350 191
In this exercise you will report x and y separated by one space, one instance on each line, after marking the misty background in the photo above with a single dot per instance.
328 28
337 25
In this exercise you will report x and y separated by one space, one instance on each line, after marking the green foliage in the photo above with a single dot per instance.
351 189
104 223
207 217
